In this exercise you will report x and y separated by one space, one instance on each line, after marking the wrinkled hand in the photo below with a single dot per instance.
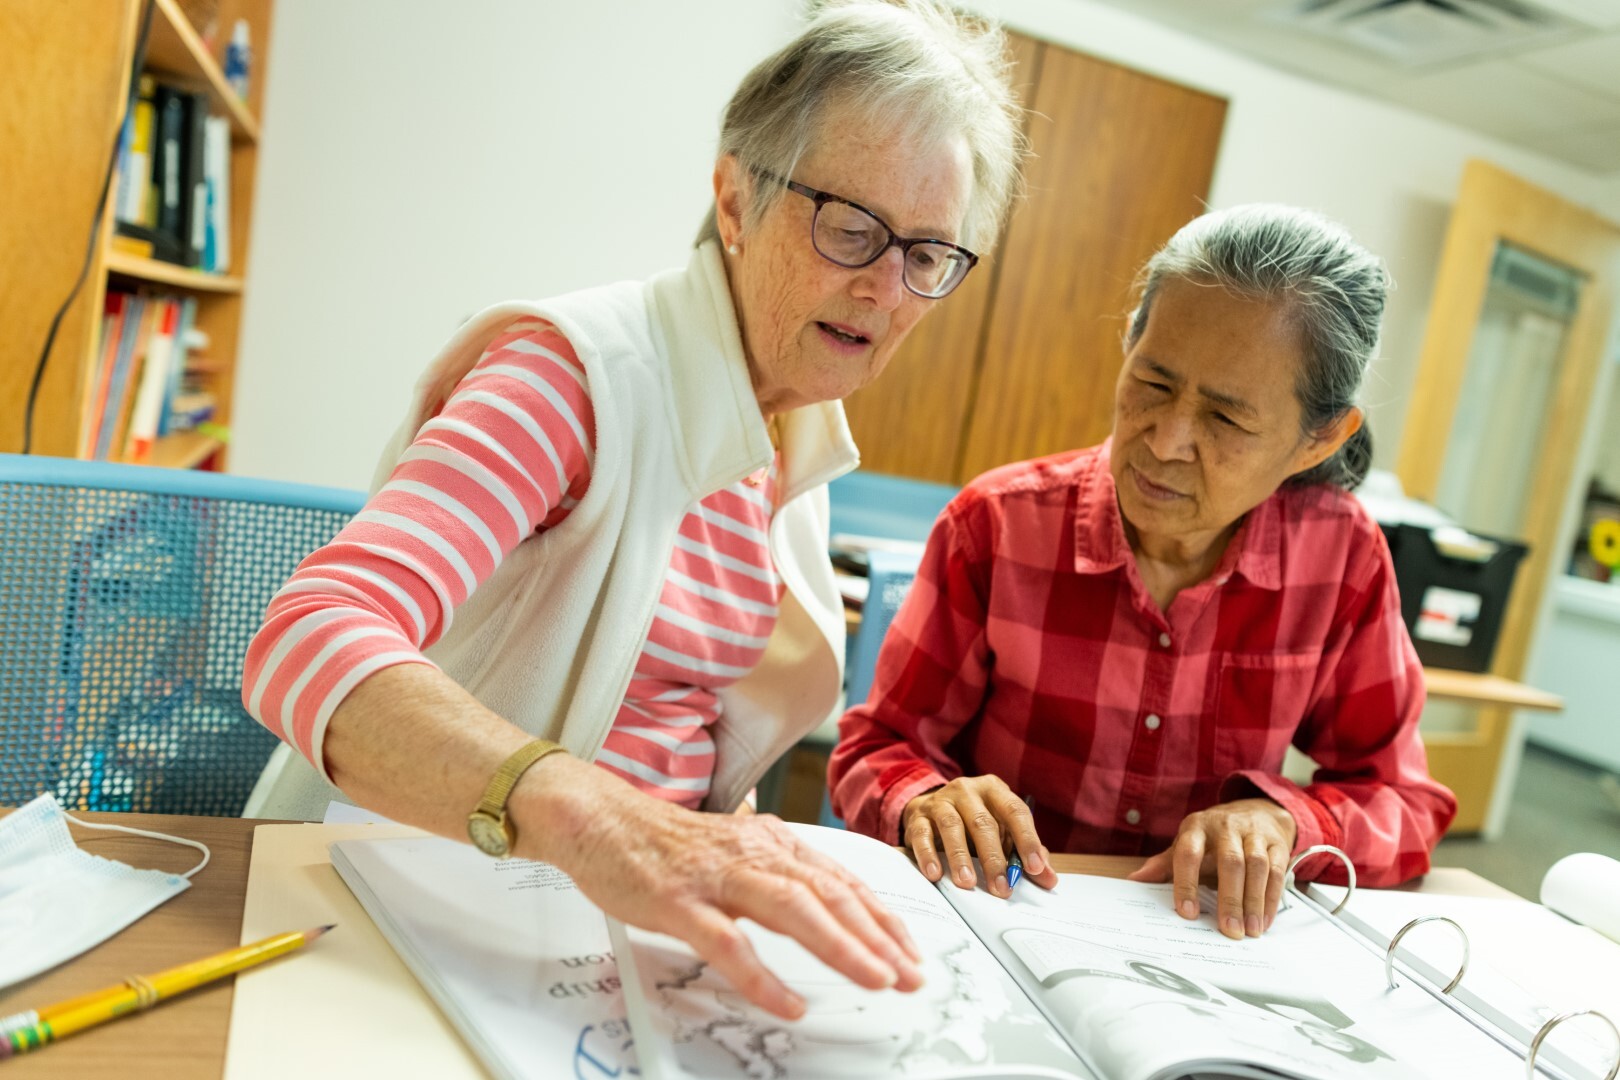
692 875
975 814
1245 846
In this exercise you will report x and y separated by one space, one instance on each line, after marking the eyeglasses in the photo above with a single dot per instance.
851 236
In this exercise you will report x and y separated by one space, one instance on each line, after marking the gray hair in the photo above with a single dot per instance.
908 66
1335 287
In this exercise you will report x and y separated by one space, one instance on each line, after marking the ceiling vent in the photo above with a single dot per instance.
1426 33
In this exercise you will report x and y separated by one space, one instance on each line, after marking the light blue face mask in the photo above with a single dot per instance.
57 901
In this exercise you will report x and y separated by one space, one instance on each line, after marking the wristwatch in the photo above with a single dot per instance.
488 826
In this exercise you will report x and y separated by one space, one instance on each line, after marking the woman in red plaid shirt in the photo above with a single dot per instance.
1112 648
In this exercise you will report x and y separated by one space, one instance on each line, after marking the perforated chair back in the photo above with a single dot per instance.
128 596
889 578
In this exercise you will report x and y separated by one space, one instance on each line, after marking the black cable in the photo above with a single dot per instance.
136 64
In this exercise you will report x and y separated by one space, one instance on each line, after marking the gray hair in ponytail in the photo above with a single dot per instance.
1335 287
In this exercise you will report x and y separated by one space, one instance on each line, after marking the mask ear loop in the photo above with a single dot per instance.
154 835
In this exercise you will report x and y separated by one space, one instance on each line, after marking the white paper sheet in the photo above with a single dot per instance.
510 949
1112 963
344 1005
1586 888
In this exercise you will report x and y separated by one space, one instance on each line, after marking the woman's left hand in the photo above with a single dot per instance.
1245 845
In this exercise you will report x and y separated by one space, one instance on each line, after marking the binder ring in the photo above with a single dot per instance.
1389 955
1324 849
1546 1029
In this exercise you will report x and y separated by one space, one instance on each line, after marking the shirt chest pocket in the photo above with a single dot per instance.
1259 703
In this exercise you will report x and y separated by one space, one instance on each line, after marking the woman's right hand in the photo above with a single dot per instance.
692 875
975 814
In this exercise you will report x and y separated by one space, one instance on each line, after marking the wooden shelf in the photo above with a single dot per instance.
184 450
175 49
1485 689
164 273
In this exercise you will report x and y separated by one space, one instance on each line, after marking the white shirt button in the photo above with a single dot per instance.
1164 640
1152 722
1133 817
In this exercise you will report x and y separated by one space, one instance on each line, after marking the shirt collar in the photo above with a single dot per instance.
1099 531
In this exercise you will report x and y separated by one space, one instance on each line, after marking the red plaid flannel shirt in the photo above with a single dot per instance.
1029 648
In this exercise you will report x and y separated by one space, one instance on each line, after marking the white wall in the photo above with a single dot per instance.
415 168
422 160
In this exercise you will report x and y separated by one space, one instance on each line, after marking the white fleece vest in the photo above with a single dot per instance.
551 639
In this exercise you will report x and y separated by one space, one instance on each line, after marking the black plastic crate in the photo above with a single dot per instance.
1452 607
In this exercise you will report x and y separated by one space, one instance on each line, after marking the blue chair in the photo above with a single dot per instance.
128 596
889 577
894 507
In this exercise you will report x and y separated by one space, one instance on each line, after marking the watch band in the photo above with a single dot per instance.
506 777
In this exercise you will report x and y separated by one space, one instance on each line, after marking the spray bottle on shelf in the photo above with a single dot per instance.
238 57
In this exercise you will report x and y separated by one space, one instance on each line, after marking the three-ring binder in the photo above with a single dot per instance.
1546 1029
1394 942
1542 1033
1323 849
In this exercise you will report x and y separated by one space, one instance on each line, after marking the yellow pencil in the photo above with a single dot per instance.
30 1031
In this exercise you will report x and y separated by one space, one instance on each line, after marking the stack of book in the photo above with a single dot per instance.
151 379
174 162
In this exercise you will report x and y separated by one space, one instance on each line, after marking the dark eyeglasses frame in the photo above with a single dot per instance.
905 244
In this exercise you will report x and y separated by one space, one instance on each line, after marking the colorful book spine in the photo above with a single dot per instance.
143 422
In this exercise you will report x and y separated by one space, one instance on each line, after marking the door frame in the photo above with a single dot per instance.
1494 206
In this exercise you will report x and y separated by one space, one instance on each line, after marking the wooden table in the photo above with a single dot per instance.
180 1039
184 1039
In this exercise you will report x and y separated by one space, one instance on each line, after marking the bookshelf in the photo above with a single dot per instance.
76 57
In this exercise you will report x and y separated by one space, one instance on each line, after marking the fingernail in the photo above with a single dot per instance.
890 976
1189 910
1034 864
795 1005
1232 926
1251 923
964 875
931 870
910 973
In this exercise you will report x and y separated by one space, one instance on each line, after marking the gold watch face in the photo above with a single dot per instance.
488 834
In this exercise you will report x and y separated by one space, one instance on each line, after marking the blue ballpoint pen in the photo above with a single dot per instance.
1015 862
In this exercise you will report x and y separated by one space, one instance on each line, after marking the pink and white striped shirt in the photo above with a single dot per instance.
510 453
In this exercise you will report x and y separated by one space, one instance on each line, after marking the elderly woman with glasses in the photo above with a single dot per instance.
591 593
1113 648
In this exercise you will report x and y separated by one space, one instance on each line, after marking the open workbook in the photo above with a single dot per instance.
1098 979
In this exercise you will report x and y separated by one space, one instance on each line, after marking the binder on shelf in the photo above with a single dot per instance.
217 185
195 225
168 175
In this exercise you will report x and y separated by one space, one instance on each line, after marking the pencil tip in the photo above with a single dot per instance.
311 935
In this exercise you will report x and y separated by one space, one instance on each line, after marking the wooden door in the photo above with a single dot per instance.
911 420
1122 160
1499 220
1022 360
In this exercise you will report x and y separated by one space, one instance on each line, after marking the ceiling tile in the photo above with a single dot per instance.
1603 14
1505 100
1594 64
1596 148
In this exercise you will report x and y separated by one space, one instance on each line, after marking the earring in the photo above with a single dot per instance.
734 249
